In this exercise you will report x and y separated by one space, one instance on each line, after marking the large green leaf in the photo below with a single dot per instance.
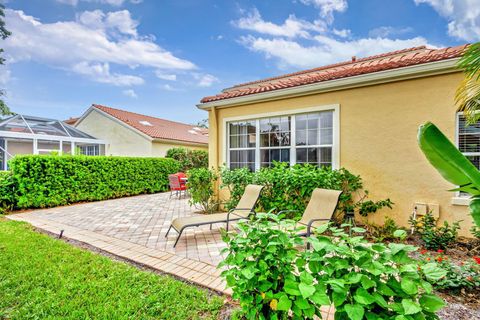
451 164
447 159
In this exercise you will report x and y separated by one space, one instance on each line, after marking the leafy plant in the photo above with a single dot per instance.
290 188
47 180
201 188
7 191
467 96
475 231
272 279
366 207
261 266
383 232
458 275
188 159
372 281
451 164
435 237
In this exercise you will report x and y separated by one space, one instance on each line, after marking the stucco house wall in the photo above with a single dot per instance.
377 139
160 148
121 140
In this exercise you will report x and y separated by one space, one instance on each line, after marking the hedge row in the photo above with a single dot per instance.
189 159
47 181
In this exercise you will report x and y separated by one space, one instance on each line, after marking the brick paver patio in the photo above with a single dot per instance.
134 228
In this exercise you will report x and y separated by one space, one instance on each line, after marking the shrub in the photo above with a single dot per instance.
47 181
272 278
383 232
290 188
201 188
475 231
458 275
189 158
434 237
7 191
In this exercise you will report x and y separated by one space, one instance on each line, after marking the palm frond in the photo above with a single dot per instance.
467 98
470 61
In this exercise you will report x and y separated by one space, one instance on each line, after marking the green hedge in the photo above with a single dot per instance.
290 188
48 181
189 159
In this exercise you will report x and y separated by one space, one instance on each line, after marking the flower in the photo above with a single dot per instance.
470 278
477 259
440 251
439 259
428 259
423 251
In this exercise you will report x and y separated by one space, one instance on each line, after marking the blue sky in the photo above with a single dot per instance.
161 57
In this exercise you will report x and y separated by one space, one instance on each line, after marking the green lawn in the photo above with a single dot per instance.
43 278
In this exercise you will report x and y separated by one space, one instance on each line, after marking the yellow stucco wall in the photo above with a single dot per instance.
159 149
378 128
121 141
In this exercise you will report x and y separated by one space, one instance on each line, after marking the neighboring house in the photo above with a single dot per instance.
132 134
362 115
22 134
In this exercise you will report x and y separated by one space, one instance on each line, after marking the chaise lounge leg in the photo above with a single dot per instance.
178 238
210 226
168 231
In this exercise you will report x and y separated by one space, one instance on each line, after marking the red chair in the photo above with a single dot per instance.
176 185
183 177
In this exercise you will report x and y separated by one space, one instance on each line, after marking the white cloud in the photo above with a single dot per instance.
324 50
343 33
328 7
291 28
130 93
386 31
205 80
165 76
90 46
100 72
4 76
463 17
168 87
116 3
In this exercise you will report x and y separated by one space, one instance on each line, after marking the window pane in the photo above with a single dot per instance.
301 138
312 122
234 142
285 155
326 136
274 140
285 138
264 140
275 155
233 128
301 122
301 155
312 137
326 119
265 156
468 136
313 155
325 156
285 124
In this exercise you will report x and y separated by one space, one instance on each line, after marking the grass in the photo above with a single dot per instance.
44 278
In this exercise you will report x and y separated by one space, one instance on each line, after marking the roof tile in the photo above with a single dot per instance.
158 128
387 61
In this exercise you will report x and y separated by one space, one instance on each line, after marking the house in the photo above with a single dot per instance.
362 115
132 134
22 134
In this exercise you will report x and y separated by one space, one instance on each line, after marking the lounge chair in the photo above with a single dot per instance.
321 207
244 209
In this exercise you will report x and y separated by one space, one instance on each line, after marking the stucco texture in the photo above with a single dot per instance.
378 139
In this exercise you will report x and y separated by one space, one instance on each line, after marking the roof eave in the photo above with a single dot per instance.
404 73
182 142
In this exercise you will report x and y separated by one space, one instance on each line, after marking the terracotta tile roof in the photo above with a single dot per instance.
71 121
355 67
158 128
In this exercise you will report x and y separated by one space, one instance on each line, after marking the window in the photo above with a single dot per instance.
299 138
90 150
242 144
468 140
274 140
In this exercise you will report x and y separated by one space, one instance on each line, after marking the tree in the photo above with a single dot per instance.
202 123
4 33
467 96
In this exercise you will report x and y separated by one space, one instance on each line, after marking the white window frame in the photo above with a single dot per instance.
335 108
459 199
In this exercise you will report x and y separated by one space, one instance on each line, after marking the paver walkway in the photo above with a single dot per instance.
134 228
